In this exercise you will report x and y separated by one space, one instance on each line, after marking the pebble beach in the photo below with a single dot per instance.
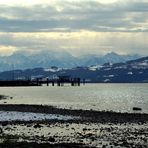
44 126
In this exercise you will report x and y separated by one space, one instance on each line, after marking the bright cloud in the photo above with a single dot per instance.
76 26
7 50
77 43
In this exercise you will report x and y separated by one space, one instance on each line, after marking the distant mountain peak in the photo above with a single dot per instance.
134 71
112 53
61 59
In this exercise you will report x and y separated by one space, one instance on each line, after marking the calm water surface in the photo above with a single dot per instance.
116 97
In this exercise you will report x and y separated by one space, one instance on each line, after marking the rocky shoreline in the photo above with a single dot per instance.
85 115
91 129
42 145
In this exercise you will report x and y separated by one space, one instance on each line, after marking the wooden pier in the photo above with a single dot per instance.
19 83
61 81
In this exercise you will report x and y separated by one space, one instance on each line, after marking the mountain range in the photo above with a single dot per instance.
133 71
46 59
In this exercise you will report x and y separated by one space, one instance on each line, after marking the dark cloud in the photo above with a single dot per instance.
71 16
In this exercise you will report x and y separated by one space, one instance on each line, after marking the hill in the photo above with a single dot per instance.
134 71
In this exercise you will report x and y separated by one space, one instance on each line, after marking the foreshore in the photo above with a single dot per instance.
88 128
85 115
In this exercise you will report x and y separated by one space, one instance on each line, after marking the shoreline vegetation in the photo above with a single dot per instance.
91 129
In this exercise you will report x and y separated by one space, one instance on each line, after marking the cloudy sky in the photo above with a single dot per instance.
76 26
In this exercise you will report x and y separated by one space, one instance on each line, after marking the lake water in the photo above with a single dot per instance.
116 97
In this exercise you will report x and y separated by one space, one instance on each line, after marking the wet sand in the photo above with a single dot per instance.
91 129
86 115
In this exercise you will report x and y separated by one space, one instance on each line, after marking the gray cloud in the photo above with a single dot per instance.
70 16
121 27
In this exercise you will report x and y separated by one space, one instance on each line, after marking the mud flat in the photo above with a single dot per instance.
56 127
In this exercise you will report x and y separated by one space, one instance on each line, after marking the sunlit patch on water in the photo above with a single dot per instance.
109 97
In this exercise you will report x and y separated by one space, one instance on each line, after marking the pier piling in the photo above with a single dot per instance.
52 83
47 82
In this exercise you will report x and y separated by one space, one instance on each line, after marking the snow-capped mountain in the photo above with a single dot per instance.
21 60
108 58
24 60
135 71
